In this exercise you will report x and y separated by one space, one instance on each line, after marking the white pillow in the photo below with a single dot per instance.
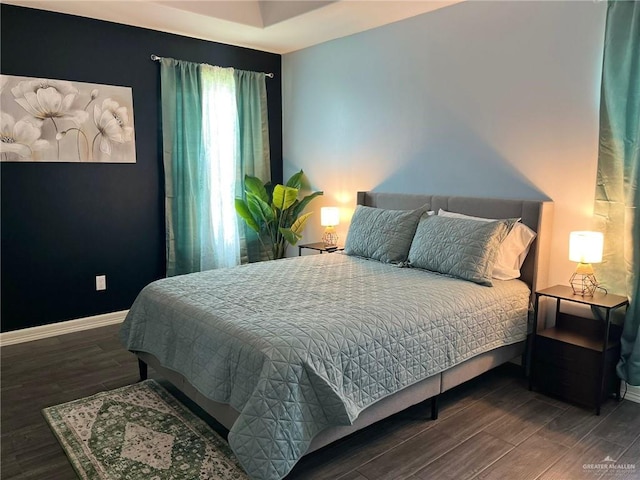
513 250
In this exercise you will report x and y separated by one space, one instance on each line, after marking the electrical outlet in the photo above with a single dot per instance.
101 282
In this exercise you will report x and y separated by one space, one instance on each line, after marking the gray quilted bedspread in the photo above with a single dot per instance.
304 343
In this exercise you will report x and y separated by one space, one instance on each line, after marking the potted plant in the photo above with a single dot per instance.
275 212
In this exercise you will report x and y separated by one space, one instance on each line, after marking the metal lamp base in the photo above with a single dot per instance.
583 284
330 237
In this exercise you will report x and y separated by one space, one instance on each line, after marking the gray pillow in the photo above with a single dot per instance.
458 247
383 235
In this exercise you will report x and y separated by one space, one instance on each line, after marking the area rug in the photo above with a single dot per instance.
140 432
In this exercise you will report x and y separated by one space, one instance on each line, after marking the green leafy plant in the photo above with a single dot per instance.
275 212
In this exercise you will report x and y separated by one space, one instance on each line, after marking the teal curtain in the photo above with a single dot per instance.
185 202
251 99
617 205
214 131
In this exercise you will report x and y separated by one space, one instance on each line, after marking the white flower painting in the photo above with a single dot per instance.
43 120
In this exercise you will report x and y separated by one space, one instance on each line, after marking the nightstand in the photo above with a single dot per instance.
320 247
576 360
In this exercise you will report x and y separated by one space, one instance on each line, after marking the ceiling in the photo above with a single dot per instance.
272 26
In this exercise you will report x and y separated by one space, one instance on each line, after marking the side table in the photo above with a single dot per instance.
576 359
320 247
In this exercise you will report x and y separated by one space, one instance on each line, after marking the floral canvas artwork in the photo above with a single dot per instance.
45 120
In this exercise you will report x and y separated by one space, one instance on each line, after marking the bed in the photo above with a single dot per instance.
292 355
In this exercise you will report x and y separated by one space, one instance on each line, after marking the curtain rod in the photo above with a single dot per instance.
156 58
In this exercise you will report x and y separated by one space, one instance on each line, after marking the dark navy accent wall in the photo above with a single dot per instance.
64 223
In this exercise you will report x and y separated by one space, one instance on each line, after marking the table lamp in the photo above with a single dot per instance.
585 248
329 218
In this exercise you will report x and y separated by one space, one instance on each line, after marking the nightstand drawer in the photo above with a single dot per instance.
567 384
566 356
572 372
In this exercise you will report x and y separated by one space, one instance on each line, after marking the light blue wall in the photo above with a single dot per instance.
492 99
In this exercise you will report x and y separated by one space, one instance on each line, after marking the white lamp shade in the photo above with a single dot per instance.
329 216
586 247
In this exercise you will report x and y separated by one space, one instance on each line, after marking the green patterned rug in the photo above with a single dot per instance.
140 432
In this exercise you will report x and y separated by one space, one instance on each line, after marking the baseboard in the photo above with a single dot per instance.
61 328
633 393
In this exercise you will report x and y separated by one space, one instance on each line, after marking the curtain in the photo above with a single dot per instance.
185 177
214 131
251 99
220 150
617 205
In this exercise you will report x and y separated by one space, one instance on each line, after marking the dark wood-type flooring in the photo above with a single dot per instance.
489 428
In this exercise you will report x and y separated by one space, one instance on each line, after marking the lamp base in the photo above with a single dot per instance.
583 284
330 237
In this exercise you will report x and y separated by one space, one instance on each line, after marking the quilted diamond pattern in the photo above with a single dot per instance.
383 235
463 248
304 343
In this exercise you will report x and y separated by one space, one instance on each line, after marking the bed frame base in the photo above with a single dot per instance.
429 388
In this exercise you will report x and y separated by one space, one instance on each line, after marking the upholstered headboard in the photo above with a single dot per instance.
537 215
